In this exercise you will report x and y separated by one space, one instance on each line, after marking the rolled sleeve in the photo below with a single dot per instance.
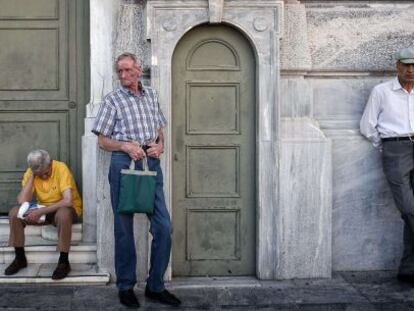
105 120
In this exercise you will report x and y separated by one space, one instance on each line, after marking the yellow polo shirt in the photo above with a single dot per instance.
50 191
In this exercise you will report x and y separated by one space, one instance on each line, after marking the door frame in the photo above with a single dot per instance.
241 75
260 22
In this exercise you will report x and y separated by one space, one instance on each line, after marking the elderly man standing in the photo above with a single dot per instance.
129 124
388 121
54 187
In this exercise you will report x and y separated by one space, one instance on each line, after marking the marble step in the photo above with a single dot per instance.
46 232
42 258
50 232
45 252
36 273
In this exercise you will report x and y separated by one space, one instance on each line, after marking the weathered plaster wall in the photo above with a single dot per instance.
358 35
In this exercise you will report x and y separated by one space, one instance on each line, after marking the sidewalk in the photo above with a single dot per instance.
350 291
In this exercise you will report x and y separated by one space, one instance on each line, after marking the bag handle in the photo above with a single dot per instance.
144 165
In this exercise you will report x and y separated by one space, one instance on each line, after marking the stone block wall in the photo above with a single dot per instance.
351 46
333 53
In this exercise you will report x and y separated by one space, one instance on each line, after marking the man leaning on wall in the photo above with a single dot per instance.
130 125
388 121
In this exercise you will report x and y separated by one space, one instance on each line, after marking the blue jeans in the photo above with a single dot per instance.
160 229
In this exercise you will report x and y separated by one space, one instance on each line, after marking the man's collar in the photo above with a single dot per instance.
396 84
141 89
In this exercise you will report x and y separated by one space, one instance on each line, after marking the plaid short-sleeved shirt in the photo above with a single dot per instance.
125 116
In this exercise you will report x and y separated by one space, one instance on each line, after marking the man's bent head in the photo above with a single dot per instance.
39 162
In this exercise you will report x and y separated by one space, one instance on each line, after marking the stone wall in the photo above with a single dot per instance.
351 48
333 53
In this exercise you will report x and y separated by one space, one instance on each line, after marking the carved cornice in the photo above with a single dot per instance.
216 11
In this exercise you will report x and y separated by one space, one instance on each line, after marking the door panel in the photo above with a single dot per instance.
41 103
212 171
214 154
212 108
29 9
35 54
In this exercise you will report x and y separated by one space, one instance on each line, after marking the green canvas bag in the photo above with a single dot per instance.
137 189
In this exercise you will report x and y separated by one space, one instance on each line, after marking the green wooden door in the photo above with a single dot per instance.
213 154
42 85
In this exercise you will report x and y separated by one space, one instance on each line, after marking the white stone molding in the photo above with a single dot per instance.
215 11
260 22
95 215
102 16
305 202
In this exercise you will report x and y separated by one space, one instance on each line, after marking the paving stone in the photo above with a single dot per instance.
36 297
394 306
361 307
335 290
380 286
368 277
350 291
323 307
200 297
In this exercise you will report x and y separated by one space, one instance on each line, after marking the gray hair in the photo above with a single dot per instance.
126 55
38 160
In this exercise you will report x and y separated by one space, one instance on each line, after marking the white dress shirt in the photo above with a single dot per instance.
389 112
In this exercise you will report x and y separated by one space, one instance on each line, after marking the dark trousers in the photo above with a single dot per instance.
160 229
398 164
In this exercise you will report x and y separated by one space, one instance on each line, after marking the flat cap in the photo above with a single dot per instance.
405 56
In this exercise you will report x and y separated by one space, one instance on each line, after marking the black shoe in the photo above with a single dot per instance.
407 278
15 266
128 298
164 297
61 271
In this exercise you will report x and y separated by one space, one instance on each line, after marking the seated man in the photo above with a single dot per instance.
54 187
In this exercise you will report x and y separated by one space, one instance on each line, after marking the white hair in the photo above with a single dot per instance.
38 160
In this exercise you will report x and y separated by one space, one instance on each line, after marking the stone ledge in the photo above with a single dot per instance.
29 230
84 253
81 274
50 233
47 232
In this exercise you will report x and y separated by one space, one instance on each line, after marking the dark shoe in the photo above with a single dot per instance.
61 271
407 278
164 297
15 266
128 298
